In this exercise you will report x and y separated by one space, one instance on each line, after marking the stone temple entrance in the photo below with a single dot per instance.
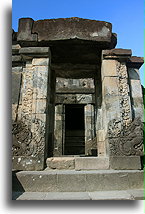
77 106
75 94
74 130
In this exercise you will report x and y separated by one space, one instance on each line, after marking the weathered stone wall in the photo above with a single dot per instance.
29 97
123 127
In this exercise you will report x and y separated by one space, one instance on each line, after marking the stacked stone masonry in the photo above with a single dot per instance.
71 65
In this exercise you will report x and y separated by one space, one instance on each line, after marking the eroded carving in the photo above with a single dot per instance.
124 95
127 142
27 142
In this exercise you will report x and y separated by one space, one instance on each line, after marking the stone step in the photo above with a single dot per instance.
77 181
99 195
78 163
94 163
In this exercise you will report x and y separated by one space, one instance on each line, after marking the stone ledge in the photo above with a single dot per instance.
99 195
117 52
135 62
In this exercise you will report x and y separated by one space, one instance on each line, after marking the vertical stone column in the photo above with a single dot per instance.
90 140
123 137
58 131
29 139
136 92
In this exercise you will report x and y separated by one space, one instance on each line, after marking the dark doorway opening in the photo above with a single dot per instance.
74 130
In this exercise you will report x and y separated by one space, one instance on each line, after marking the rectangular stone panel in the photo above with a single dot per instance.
16 85
40 82
109 68
110 86
91 163
122 163
136 90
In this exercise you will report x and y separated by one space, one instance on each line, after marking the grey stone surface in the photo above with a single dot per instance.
99 195
16 81
61 163
25 30
28 163
72 28
80 181
40 61
131 162
71 182
67 196
137 194
34 50
38 182
117 52
15 48
133 73
136 180
110 195
16 58
89 163
17 69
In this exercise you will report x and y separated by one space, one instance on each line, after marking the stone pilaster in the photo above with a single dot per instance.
123 133
29 138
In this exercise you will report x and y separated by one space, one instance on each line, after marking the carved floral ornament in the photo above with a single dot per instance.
128 141
26 142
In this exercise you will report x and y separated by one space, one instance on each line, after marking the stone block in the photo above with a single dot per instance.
101 147
72 28
109 68
136 180
61 163
15 48
100 135
136 90
41 69
110 195
133 74
117 52
41 106
125 162
16 84
40 61
110 86
38 182
35 51
67 196
40 83
27 163
17 69
71 182
16 58
14 111
107 181
112 106
137 194
135 62
91 163
139 112
25 30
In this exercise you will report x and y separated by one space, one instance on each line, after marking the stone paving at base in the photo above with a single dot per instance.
98 195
